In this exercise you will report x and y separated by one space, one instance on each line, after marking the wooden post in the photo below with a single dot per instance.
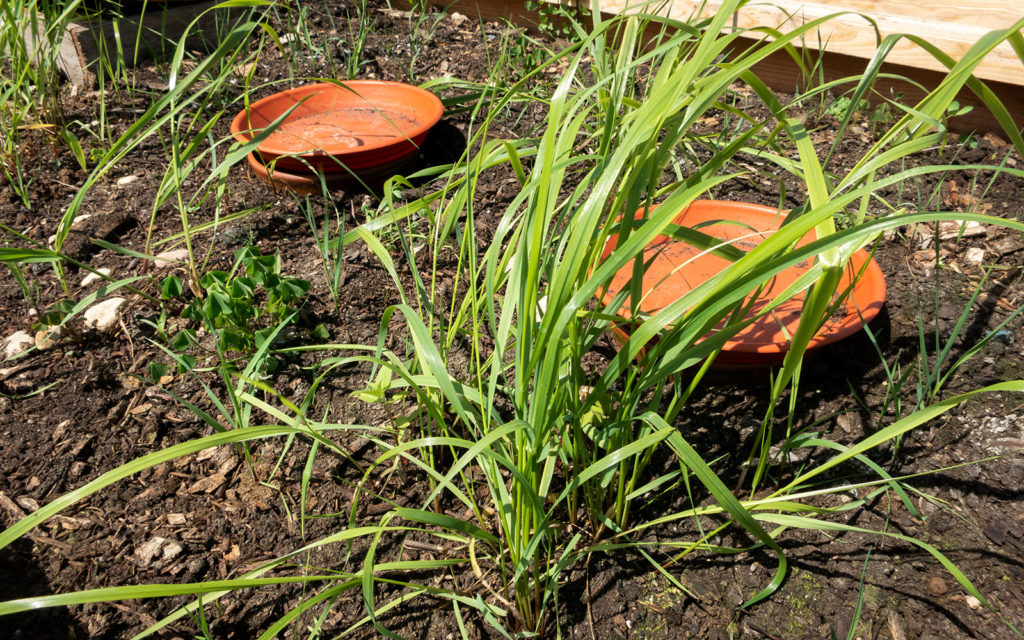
134 39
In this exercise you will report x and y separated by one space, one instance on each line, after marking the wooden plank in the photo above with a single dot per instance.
952 27
69 53
847 50
779 73
514 11
149 36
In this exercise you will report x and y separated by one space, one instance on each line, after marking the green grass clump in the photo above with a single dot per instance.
234 305
31 110
533 461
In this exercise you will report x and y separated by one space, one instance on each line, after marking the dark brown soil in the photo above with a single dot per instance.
71 412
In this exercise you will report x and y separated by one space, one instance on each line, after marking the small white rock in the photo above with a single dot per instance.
167 258
171 551
244 69
103 315
975 255
46 338
126 180
145 554
17 342
93 277
29 504
972 602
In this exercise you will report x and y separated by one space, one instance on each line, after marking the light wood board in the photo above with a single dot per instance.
953 27
850 47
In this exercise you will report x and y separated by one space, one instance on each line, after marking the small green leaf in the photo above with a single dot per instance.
219 304
171 288
192 312
376 391
293 289
243 310
186 363
243 287
184 339
246 254
212 278
271 281
155 371
261 265
232 339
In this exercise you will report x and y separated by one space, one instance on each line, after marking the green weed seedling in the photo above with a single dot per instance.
242 307
855 623
30 104
300 45
843 103
877 115
245 309
556 19
934 367
422 24
954 110
329 244
355 45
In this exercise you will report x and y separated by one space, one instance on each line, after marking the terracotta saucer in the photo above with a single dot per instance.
307 183
677 267
364 125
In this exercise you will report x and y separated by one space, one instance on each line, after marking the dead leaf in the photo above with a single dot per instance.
208 484
951 229
141 409
952 198
233 555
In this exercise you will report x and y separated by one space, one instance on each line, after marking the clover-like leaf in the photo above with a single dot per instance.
171 287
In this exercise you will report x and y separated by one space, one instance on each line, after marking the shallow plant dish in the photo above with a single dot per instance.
307 184
358 126
676 267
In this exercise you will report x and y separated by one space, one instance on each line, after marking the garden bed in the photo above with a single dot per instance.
92 401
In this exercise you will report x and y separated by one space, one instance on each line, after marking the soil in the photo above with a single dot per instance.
81 407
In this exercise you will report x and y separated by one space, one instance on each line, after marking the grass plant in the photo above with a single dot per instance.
535 461
193 91
576 448
423 23
327 237
31 32
355 45
934 365
299 45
